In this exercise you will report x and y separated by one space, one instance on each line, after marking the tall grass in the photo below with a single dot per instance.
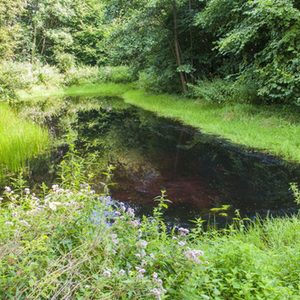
20 140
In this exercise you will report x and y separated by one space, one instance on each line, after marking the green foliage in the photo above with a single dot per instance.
16 76
223 91
118 74
262 38
81 75
20 141
73 243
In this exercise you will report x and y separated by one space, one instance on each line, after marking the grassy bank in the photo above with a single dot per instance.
20 140
274 130
70 244
264 128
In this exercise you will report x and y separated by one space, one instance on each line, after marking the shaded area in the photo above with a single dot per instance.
198 171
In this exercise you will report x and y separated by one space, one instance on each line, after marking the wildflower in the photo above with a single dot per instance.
107 273
135 223
158 292
193 255
27 191
181 243
130 212
117 213
141 272
122 207
114 238
122 272
55 187
183 231
142 244
8 223
8 189
25 223
53 205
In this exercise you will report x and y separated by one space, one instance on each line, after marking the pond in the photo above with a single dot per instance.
197 171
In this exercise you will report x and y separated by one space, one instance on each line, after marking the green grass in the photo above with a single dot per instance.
270 129
20 140
264 128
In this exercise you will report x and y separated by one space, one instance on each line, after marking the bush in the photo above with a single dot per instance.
81 75
163 81
119 74
15 76
223 91
64 61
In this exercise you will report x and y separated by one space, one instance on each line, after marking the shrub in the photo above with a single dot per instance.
223 91
163 81
81 75
64 61
16 75
118 74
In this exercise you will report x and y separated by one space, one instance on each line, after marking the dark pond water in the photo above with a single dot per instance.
197 171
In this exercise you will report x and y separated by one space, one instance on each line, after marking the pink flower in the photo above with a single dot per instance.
193 255
183 231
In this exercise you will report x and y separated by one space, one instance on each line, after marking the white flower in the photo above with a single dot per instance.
55 187
183 231
141 272
25 223
122 272
193 255
7 189
142 244
114 238
130 212
8 223
158 292
135 223
107 273
53 205
27 191
181 243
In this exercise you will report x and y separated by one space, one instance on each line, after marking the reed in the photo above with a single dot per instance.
20 140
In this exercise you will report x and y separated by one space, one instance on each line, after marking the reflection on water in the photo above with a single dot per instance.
197 171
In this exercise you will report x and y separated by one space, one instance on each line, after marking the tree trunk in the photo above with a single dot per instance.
33 43
177 47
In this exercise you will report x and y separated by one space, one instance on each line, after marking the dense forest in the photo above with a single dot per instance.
246 50
150 149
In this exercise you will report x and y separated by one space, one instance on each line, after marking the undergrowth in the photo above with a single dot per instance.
70 242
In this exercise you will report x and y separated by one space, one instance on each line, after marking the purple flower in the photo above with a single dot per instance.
183 231
193 255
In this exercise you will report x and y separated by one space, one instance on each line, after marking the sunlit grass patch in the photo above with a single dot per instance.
263 128
20 140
